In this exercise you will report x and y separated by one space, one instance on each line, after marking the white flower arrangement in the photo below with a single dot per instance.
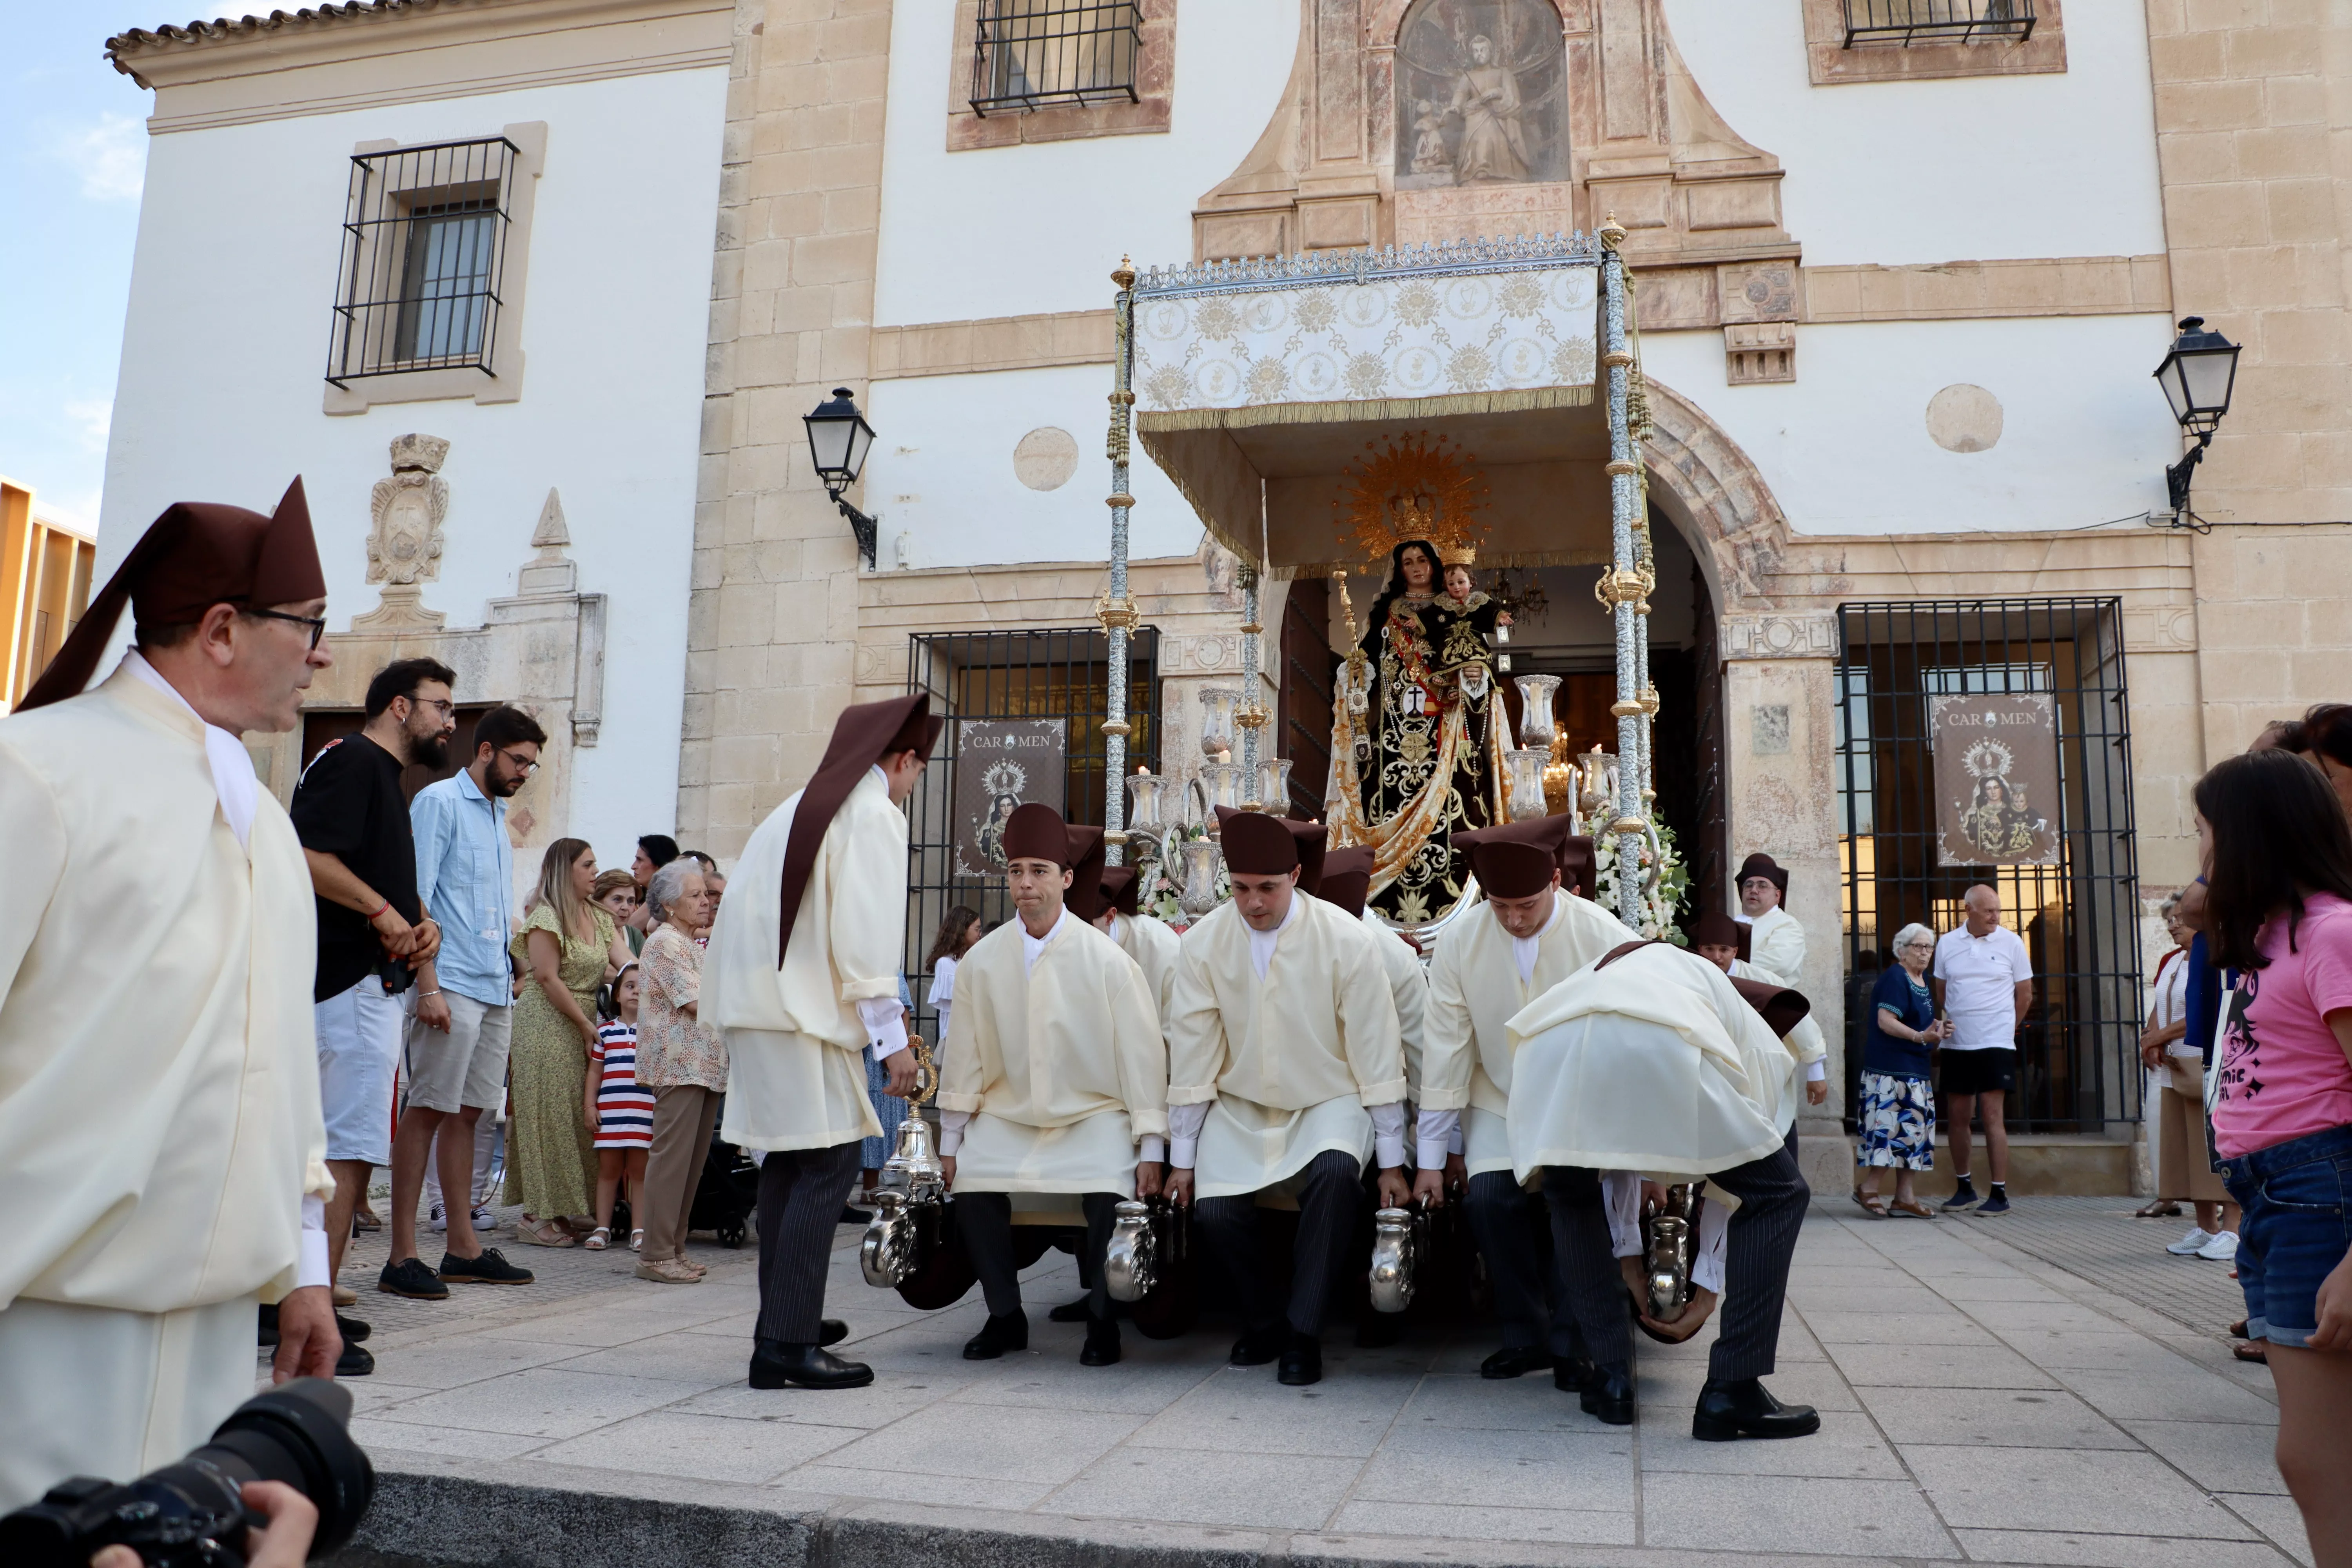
1662 903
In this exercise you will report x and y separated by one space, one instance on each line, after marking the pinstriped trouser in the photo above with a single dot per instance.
1328 1202
801 1192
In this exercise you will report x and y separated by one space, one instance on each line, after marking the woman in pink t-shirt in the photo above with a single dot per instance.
2278 910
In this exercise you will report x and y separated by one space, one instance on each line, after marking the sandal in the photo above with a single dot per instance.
544 1233
599 1239
2238 1329
1871 1201
2251 1351
2161 1208
637 1240
1911 1209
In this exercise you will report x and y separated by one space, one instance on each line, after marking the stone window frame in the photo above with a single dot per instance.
1830 64
1155 85
505 386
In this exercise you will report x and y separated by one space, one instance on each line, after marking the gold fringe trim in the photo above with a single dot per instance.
1261 413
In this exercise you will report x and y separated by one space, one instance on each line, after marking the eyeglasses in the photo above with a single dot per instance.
317 624
447 705
524 766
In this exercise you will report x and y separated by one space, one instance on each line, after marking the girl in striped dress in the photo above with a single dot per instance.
618 1111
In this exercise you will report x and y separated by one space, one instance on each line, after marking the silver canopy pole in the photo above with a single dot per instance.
1118 613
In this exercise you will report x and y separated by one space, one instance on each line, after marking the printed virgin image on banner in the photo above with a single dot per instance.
1000 763
1996 778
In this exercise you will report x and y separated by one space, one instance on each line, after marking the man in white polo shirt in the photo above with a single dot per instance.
1983 983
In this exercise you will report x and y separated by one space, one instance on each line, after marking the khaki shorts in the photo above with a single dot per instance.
2183 1168
466 1065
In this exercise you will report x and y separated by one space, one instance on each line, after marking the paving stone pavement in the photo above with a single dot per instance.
1978 1403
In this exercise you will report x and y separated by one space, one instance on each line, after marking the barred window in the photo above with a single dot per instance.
1030 54
425 234
1904 22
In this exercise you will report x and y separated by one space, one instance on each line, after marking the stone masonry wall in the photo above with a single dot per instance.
773 617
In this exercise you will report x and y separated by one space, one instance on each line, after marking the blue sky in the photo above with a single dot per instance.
73 150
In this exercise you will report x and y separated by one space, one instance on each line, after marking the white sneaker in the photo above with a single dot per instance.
2222 1248
440 1220
2194 1243
485 1219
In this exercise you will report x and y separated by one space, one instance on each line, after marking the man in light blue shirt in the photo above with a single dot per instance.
456 1052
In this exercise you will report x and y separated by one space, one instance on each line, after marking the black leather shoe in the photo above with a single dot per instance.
1302 1362
1609 1394
777 1365
352 1329
1259 1346
1102 1342
1515 1361
1069 1312
1745 1408
1009 1333
1572 1374
831 1332
355 1362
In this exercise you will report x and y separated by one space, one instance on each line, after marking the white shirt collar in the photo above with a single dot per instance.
235 783
1523 948
1262 943
1030 946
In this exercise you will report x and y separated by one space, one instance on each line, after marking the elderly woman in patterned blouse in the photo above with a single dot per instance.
682 1060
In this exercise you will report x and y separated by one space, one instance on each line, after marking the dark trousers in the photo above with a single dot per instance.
1757 1244
1585 1262
984 1220
1508 1222
1327 1222
801 1192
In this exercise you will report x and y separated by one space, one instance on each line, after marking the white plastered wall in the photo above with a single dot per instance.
1974 168
225 355
1036 227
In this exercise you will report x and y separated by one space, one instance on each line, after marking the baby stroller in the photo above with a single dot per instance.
727 1194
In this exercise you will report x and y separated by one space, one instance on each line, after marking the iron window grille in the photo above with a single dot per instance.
1034 54
1903 23
1045 674
2078 1060
424 259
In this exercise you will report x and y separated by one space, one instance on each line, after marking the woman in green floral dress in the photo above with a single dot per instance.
567 946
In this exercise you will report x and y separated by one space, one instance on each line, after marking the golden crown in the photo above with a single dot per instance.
1415 486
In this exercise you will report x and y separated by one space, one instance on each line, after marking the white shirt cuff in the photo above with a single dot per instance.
1387 1133
1622 1191
886 1024
314 1270
1817 1070
1707 1258
1434 1137
952 1124
1154 1151
1184 1132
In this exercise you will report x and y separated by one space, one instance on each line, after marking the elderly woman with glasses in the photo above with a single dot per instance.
682 1060
1897 1115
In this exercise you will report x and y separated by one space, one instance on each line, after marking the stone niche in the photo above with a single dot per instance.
1412 122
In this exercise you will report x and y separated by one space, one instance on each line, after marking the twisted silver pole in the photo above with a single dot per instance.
1623 587
1118 614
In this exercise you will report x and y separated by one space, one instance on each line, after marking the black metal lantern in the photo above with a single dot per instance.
839 439
2198 377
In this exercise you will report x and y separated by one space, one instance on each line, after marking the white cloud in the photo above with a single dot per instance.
92 418
110 157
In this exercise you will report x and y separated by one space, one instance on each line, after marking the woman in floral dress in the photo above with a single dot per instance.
568 945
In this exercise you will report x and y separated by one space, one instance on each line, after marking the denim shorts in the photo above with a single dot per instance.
2297 1198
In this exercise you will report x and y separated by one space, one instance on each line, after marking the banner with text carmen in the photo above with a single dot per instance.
1002 763
1996 778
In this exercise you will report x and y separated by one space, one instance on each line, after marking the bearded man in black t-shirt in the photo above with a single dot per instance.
352 819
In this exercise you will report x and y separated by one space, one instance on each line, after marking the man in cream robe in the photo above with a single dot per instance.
160 1143
1529 935
1059 1075
1143 938
1653 1059
1345 882
803 982
1776 942
1285 1071
1716 938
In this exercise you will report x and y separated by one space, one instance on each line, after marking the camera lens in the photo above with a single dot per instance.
299 1433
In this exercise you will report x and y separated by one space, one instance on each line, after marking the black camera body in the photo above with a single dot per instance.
190 1514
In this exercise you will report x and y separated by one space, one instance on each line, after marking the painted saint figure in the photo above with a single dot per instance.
1493 144
1997 822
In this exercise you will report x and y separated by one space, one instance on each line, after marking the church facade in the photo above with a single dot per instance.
1901 271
